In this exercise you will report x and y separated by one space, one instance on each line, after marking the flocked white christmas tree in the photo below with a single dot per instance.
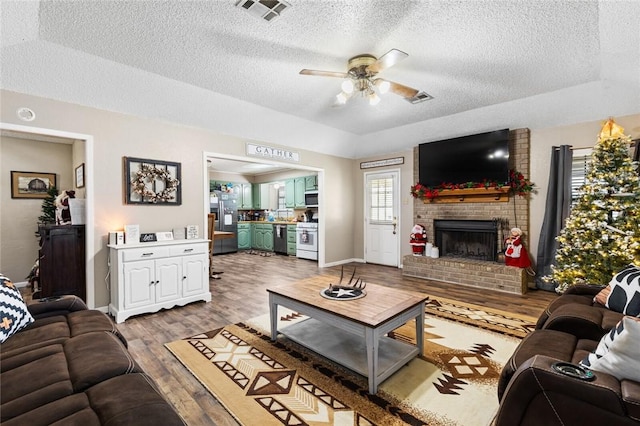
602 235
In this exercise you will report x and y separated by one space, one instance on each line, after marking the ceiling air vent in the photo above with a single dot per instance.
419 97
267 10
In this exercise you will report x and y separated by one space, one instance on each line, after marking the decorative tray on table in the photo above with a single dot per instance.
351 291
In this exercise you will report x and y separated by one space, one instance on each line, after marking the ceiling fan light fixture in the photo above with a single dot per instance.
383 86
347 86
374 99
342 98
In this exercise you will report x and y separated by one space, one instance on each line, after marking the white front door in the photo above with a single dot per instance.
381 218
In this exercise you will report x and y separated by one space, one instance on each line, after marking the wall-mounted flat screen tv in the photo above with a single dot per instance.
472 158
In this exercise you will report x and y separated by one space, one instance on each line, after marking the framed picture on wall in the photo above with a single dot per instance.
80 176
31 185
152 182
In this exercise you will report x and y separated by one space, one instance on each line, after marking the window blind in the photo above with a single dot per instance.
381 196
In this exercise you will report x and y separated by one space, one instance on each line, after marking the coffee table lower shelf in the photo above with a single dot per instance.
348 349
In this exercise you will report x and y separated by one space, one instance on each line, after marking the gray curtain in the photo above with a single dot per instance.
556 212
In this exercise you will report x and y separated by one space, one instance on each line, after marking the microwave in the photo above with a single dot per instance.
311 198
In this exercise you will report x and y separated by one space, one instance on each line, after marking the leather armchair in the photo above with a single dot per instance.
539 395
532 393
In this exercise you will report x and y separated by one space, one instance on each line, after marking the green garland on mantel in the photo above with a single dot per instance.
517 184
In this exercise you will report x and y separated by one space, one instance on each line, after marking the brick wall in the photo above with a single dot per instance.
471 273
515 212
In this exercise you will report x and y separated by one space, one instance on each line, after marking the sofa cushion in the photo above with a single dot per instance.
582 321
122 399
131 399
70 410
39 378
618 352
48 373
95 357
14 314
57 329
623 292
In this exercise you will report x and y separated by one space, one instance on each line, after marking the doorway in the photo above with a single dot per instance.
244 165
49 135
382 203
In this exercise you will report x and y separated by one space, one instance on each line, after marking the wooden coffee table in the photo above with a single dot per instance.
352 333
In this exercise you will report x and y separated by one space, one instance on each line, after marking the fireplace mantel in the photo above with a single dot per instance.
471 195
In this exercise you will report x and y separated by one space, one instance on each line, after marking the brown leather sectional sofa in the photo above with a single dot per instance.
71 366
536 389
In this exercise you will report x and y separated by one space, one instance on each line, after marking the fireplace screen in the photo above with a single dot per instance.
470 239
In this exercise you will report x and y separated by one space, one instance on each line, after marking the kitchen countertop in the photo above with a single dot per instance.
277 222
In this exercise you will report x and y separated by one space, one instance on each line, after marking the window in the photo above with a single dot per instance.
282 205
579 168
381 194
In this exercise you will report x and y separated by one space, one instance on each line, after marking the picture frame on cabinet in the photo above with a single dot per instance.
31 185
152 182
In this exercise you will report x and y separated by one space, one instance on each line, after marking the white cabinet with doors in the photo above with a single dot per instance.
148 277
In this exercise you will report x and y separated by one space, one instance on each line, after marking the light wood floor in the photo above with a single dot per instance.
241 294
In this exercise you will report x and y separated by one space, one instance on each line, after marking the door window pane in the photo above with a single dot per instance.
381 196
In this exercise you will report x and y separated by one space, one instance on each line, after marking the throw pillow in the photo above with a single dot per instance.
623 292
618 352
14 314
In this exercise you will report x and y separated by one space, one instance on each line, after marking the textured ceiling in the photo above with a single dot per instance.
468 55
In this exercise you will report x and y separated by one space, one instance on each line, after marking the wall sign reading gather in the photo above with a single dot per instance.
272 152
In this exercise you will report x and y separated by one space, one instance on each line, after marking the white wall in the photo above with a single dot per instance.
117 135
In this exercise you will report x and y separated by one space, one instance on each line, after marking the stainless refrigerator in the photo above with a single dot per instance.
225 206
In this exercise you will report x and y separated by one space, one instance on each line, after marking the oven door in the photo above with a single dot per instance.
307 239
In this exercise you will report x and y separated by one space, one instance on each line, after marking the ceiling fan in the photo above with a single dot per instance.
361 78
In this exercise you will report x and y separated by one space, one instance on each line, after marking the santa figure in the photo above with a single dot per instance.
516 254
418 239
63 214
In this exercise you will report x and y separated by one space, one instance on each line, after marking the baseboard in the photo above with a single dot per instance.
342 262
352 260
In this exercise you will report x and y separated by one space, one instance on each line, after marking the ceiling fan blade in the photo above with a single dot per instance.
402 90
324 73
387 60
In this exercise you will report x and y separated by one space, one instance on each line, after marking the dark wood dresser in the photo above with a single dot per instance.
62 260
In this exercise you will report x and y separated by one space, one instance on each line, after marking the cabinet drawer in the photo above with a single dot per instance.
144 253
185 249
291 237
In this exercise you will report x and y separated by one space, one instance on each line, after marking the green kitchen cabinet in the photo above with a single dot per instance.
268 237
254 236
262 236
289 194
291 239
260 196
299 188
245 197
311 183
294 192
244 236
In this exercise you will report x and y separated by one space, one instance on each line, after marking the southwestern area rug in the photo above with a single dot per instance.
281 383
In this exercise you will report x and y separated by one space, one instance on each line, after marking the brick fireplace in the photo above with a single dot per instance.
474 270
467 239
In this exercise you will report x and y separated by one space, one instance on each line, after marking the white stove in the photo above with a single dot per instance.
307 240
